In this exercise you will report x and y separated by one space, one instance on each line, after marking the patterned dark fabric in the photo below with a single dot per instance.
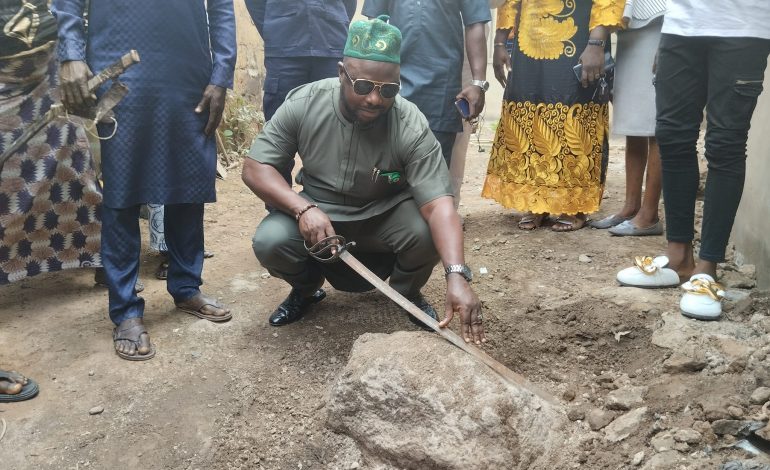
49 195
159 153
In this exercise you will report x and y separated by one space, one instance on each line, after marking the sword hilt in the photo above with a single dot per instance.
329 249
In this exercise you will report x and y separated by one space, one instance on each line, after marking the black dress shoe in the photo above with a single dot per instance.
294 307
426 307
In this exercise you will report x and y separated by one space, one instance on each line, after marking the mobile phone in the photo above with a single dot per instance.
578 69
464 108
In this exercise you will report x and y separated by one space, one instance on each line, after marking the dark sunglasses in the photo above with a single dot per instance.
363 87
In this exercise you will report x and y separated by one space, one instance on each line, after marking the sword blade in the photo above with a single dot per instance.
446 333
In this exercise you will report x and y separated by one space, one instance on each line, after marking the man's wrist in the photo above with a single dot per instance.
461 269
483 84
298 213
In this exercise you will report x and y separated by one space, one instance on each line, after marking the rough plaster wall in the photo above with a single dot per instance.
751 232
250 70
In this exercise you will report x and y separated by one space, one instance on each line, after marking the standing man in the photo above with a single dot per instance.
432 58
373 173
303 43
163 150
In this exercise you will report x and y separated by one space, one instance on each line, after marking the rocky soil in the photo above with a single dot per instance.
638 385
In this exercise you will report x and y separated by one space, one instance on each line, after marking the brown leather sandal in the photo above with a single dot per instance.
195 304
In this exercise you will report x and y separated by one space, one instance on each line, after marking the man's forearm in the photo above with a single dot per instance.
476 48
446 229
267 183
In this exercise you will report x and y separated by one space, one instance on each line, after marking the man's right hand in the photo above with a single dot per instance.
74 75
314 225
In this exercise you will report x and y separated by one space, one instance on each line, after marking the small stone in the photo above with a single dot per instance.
196 354
626 398
97 410
681 446
681 363
638 457
625 425
585 259
760 396
598 419
735 411
662 442
265 276
354 465
575 414
569 394
734 427
663 461
689 436
90 373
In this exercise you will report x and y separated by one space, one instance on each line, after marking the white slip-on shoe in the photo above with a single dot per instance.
702 299
649 273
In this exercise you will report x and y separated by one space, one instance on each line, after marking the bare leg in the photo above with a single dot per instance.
648 214
636 160
681 260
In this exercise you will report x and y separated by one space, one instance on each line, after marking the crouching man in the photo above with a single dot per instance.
372 172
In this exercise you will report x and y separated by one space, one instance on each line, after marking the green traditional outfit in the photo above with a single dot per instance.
550 149
369 179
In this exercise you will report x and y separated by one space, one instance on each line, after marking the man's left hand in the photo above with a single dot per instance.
475 97
214 100
461 298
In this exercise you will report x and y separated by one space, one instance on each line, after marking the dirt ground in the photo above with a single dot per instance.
247 395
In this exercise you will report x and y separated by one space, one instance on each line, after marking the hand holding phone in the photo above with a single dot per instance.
464 108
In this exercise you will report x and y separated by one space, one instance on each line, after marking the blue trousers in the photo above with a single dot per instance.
121 249
287 73
447 142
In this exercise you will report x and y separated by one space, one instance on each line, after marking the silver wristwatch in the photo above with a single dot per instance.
483 84
461 269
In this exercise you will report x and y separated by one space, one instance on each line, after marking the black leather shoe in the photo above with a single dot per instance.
294 307
426 307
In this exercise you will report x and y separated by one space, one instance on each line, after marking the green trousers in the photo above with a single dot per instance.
400 236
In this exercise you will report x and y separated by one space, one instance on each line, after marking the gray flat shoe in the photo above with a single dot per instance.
628 229
608 222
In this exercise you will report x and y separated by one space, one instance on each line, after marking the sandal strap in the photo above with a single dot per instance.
139 330
199 301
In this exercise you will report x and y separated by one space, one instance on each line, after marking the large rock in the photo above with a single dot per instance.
412 400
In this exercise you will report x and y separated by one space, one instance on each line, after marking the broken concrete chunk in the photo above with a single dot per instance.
626 398
625 425
689 436
662 441
597 418
681 363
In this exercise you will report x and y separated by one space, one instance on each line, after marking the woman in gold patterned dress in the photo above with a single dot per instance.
550 150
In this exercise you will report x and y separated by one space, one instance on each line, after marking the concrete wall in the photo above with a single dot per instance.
751 232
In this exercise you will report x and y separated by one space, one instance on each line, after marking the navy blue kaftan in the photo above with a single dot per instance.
159 153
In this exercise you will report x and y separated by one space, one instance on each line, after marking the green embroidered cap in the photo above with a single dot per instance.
374 40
